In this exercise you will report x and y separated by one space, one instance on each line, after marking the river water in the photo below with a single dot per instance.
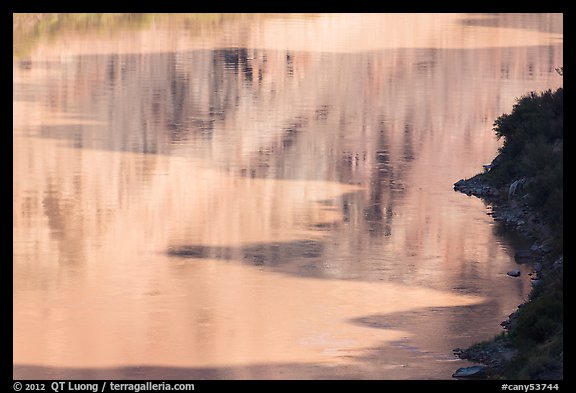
263 196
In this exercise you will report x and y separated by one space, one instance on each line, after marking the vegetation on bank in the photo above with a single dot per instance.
537 334
532 156
533 150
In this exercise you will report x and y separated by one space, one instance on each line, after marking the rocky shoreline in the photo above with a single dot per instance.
508 207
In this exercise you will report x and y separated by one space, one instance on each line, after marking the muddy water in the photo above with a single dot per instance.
263 196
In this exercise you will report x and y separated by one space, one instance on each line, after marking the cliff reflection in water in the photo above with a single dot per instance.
273 191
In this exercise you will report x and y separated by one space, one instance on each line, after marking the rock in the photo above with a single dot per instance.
474 186
458 352
470 372
537 267
523 256
541 248
515 186
514 273
506 325
559 264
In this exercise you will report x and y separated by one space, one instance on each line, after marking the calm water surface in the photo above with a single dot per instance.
264 196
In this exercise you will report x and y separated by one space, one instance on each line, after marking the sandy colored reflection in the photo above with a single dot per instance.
365 32
111 293
344 131
255 317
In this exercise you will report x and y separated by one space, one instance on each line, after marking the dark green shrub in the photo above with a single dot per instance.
540 320
533 148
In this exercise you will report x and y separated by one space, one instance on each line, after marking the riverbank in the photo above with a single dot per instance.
523 188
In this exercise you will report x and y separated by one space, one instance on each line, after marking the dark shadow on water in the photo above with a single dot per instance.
306 259
269 254
444 325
